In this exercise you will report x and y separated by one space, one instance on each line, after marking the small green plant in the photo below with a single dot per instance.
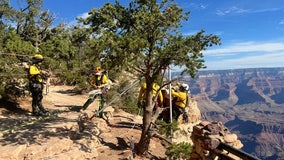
165 128
179 151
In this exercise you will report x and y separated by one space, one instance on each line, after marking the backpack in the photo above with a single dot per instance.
187 100
184 115
97 79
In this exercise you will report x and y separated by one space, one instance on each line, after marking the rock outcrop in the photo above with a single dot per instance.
204 136
207 136
186 128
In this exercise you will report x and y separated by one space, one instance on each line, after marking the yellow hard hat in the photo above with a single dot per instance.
38 56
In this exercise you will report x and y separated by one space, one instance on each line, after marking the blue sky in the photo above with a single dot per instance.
252 31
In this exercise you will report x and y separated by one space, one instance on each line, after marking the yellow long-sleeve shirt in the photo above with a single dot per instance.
181 98
142 92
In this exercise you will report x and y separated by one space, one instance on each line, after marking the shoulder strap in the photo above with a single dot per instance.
99 79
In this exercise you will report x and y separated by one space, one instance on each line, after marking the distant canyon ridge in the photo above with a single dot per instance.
250 102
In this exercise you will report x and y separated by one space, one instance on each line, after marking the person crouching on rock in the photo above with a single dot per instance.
180 102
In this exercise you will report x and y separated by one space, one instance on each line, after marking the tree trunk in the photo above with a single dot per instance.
144 142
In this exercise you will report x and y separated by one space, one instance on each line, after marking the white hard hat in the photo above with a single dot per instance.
185 86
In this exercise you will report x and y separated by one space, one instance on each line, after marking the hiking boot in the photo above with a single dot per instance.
44 111
36 113
40 113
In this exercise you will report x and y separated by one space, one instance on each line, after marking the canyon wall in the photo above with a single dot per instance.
250 102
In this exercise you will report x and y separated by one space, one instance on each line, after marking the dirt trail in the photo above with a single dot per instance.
23 137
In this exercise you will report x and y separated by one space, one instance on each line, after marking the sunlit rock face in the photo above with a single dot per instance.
250 102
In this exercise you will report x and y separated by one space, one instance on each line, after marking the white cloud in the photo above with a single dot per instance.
246 55
198 6
237 10
247 47
258 61
74 21
83 15
266 10
231 10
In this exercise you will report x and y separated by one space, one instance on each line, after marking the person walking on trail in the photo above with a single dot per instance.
179 103
100 84
142 96
36 84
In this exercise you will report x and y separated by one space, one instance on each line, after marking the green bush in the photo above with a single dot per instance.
167 128
179 151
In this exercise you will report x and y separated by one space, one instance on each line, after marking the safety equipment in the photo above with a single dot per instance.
185 86
99 79
37 58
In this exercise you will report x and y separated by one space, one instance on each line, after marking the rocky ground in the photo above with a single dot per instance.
24 137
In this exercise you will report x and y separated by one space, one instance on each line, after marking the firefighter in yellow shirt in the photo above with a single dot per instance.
142 96
180 100
100 84
36 78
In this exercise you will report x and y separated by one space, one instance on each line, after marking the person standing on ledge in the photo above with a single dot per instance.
36 85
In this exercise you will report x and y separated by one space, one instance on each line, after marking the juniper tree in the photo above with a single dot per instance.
144 37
